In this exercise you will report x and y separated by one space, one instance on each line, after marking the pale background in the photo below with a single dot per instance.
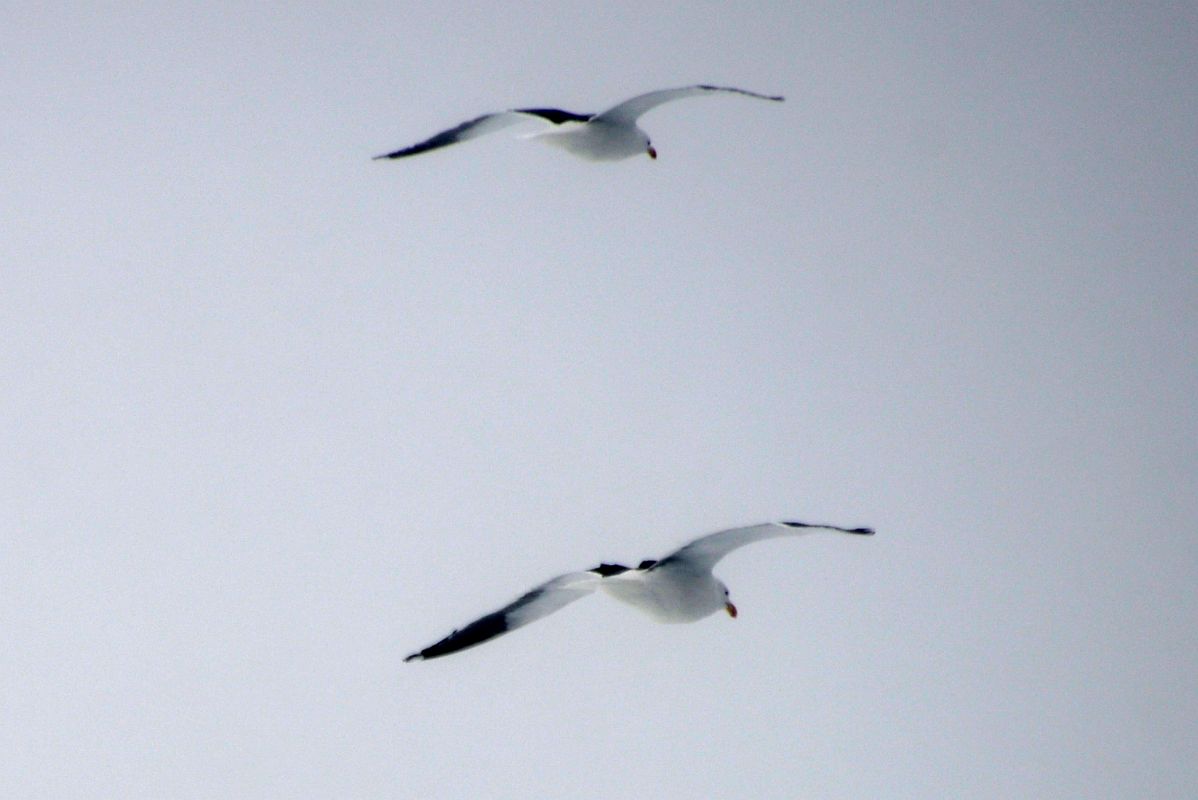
276 415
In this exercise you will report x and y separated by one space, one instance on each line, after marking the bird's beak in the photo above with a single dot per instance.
731 609
652 152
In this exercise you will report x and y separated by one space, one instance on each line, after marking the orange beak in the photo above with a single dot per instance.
652 153
731 609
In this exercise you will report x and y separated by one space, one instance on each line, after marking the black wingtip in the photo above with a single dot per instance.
858 531
777 98
413 657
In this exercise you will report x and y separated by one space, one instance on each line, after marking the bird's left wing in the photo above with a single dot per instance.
630 110
704 552
529 607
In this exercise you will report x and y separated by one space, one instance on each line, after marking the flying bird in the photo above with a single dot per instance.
676 588
607 136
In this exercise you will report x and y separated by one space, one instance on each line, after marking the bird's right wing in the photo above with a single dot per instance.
487 123
704 552
479 126
530 607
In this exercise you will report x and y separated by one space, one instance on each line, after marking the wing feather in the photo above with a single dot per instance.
538 602
472 129
704 552
627 112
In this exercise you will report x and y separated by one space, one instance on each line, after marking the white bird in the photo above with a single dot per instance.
676 588
607 136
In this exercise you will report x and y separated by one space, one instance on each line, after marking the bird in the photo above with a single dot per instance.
676 588
610 135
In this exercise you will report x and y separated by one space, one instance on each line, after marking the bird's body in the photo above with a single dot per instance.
677 588
597 140
610 135
675 594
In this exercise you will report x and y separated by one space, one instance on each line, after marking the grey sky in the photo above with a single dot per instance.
278 415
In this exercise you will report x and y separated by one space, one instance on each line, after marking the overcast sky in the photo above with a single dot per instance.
277 415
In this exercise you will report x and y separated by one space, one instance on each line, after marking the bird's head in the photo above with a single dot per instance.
731 609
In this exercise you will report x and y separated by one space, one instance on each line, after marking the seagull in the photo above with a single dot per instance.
676 588
607 136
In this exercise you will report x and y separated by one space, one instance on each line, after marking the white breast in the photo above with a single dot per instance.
598 141
668 594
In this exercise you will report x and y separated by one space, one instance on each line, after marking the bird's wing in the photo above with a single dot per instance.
630 110
487 123
704 552
534 604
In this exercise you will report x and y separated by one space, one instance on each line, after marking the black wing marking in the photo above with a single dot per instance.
861 531
556 115
536 603
706 551
442 139
487 123
607 570
707 87
476 632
